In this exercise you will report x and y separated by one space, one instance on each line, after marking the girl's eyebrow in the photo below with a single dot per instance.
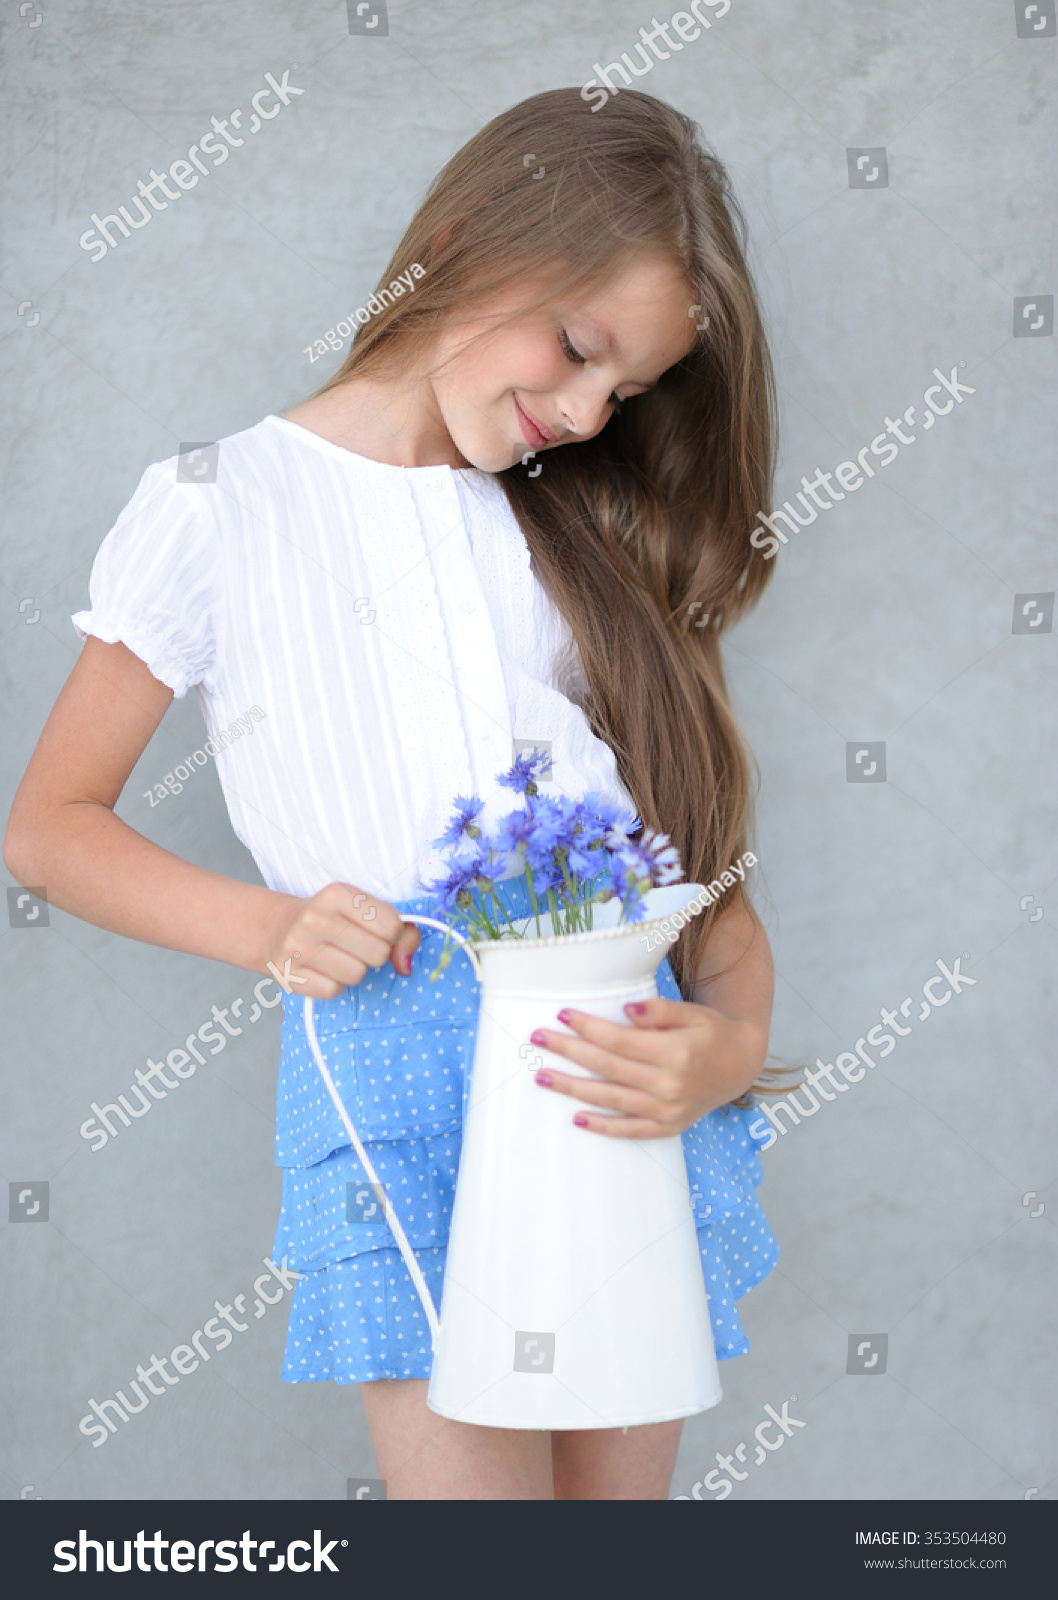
605 338
602 336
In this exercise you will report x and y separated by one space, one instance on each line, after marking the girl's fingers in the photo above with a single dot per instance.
648 1039
633 1074
408 941
335 951
318 988
622 1127
335 963
330 964
374 949
351 920
657 1012
608 1096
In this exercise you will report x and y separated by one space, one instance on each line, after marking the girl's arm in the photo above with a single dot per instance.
736 977
62 835
678 1060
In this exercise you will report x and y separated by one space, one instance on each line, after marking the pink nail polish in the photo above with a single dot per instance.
565 1017
637 1008
545 1078
581 1120
537 1037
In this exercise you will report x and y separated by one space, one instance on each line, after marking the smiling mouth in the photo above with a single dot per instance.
532 431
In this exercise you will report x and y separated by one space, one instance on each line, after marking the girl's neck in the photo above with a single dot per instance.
394 421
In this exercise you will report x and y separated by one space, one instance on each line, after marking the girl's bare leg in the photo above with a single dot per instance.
422 1456
610 1464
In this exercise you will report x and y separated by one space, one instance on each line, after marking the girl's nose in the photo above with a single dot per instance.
584 416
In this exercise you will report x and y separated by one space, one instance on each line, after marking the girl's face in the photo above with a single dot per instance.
515 378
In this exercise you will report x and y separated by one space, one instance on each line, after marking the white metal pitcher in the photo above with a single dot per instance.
573 1291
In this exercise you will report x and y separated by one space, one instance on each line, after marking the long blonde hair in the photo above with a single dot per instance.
640 535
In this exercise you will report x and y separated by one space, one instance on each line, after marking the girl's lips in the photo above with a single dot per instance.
532 432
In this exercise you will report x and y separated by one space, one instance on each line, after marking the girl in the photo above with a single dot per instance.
519 512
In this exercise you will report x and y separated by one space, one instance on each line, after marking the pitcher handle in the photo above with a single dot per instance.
388 1213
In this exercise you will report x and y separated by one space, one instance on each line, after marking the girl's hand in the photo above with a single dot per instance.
676 1062
325 943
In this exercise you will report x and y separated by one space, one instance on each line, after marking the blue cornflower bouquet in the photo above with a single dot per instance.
565 846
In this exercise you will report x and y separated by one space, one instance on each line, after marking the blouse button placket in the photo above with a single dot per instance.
474 650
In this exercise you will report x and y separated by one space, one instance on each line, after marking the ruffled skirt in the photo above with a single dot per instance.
399 1050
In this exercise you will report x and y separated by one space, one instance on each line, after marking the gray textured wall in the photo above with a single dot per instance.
920 1203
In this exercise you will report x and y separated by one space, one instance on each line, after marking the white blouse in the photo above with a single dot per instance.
387 623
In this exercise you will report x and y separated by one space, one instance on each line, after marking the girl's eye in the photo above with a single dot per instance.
569 349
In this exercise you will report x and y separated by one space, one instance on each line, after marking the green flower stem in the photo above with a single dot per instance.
589 902
634 898
444 958
574 895
492 932
477 923
553 904
506 913
532 896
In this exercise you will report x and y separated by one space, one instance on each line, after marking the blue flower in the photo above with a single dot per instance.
598 816
552 819
640 865
550 828
514 829
571 850
527 770
465 873
591 820
661 856
618 837
467 808
628 888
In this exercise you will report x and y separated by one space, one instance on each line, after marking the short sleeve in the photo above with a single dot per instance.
153 585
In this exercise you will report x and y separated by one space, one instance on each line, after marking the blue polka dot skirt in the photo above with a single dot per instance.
399 1050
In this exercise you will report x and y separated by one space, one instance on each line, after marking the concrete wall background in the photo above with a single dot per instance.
921 1204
